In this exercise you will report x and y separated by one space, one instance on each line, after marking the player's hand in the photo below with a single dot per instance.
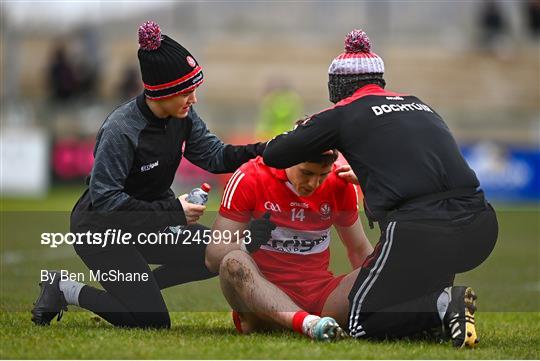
345 172
260 232
192 211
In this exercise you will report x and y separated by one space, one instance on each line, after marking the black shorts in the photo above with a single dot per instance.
417 258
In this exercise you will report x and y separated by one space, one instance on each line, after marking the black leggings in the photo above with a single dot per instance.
140 303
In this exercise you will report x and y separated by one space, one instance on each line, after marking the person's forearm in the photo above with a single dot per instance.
117 200
139 214
236 155
355 260
306 140
278 153
218 158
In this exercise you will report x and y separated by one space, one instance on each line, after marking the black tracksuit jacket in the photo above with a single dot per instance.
136 157
399 148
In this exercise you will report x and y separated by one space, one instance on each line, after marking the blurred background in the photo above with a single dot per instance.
66 65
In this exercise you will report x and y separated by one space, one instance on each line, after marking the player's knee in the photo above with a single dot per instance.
234 268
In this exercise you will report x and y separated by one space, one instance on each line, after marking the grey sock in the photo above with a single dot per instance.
443 301
71 290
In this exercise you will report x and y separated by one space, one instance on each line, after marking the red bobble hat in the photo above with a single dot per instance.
357 58
355 66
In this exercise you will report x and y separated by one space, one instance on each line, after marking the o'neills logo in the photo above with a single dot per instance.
147 167
299 204
191 61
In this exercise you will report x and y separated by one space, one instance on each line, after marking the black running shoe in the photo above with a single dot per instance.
459 318
50 302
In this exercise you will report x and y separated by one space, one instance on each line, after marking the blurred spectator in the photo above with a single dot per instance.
532 15
74 67
281 107
86 60
130 84
61 75
493 26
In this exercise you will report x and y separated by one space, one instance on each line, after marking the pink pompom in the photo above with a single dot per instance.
357 41
149 36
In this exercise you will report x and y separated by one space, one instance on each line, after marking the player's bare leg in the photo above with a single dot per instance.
248 292
337 303
262 305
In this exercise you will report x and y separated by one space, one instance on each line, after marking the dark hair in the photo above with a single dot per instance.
325 158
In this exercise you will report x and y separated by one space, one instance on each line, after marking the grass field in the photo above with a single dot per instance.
508 285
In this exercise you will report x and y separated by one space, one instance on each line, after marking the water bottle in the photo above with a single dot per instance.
199 195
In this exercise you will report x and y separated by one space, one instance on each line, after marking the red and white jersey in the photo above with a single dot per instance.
298 250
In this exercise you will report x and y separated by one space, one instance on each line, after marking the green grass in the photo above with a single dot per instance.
211 336
507 283
58 199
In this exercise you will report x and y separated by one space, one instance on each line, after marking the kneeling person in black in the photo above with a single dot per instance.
137 153
434 219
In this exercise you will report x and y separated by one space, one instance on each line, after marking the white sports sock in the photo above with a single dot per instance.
443 301
71 290
307 323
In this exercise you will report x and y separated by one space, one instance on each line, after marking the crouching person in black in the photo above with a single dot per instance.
137 152
434 219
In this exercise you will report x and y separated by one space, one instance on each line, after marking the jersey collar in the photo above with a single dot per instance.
279 173
147 113
366 90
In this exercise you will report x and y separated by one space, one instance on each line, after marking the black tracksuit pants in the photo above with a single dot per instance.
140 304
396 292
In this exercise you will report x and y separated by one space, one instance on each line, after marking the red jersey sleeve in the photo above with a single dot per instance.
238 199
347 203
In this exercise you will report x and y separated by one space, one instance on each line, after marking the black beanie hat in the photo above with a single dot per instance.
167 68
